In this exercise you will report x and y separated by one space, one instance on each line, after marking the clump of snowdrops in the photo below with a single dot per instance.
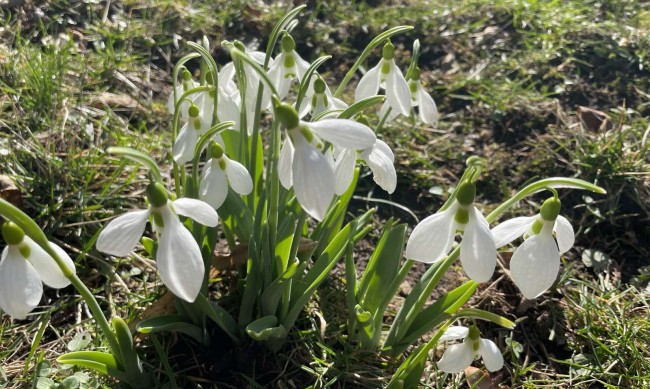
267 157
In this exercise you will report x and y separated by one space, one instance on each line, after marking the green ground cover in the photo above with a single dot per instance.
534 87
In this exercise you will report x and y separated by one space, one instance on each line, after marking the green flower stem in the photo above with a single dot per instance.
90 300
548 183
366 52
215 76
178 68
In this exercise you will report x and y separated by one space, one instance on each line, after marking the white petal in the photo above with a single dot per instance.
453 333
214 186
226 78
238 177
338 103
171 103
344 133
511 229
564 234
179 258
285 172
382 166
382 147
398 94
492 357
257 56
121 235
301 65
197 210
535 264
369 84
227 109
20 286
432 239
456 358
313 178
344 170
185 143
428 112
47 269
478 254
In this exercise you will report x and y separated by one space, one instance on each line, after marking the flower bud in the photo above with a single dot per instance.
287 115
216 151
550 209
12 234
319 85
185 74
388 52
157 194
288 44
466 193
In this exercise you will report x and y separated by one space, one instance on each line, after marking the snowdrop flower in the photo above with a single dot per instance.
427 110
432 239
535 264
181 88
319 99
388 76
379 158
24 267
458 357
302 164
189 135
220 171
287 66
178 257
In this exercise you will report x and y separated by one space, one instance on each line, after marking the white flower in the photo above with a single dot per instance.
181 88
287 66
24 267
427 110
318 98
388 76
220 171
379 158
433 237
302 164
458 357
535 264
178 256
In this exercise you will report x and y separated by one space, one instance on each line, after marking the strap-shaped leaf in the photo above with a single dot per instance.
169 323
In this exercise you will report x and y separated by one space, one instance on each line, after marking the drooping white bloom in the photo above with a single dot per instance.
176 94
178 257
459 356
318 98
433 237
302 164
388 76
24 267
189 135
379 158
427 110
535 264
287 66
220 172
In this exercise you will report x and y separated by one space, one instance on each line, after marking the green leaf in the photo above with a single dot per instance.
433 315
266 328
272 294
277 29
219 315
102 362
169 323
130 359
237 216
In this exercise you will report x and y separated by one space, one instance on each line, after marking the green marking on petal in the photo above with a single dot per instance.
25 251
537 226
158 219
385 67
289 61
462 216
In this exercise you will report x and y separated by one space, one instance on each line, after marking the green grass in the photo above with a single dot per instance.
507 76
